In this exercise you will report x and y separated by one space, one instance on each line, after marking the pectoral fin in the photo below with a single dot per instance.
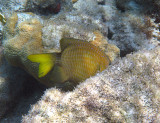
46 61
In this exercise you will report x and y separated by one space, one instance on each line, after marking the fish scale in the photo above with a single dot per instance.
83 60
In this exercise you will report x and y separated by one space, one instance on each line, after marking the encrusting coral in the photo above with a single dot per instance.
27 40
128 91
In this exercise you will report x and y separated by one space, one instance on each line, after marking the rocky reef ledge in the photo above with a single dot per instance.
128 91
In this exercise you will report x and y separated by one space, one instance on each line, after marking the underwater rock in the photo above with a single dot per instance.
8 7
128 33
48 7
132 28
45 3
128 91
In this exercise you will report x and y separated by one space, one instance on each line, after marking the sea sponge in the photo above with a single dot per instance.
27 32
128 91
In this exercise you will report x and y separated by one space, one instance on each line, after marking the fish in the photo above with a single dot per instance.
77 61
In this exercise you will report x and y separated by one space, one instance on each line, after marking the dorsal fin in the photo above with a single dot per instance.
65 42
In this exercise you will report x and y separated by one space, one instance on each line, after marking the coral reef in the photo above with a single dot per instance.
121 28
128 91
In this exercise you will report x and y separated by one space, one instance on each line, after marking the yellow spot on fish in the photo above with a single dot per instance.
78 61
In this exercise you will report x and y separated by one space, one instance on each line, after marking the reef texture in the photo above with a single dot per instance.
128 91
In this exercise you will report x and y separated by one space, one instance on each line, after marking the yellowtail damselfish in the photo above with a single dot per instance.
78 60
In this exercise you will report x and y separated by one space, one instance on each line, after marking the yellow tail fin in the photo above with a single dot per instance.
46 61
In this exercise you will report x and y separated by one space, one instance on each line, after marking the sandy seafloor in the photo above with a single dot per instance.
127 91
